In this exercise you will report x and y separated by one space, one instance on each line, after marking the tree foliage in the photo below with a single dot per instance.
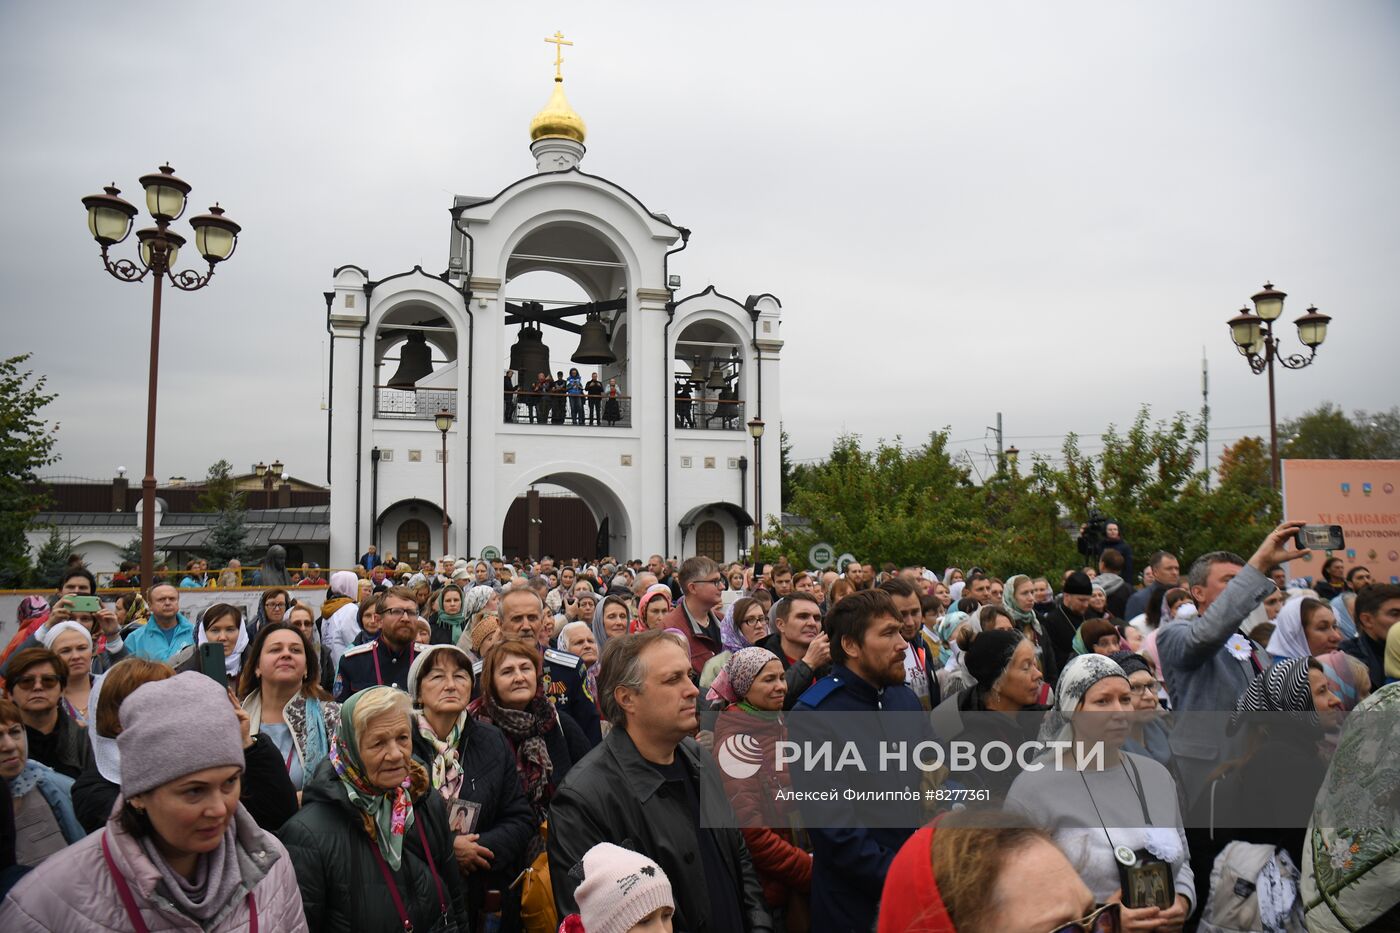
920 507
26 446
51 560
228 537
1326 433
220 491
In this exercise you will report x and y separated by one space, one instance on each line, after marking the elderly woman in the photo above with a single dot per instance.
472 766
180 852
1008 682
544 745
72 641
653 608
1095 806
282 694
752 688
36 680
370 822
41 797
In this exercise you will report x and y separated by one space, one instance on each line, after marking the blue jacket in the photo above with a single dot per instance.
154 643
57 790
849 864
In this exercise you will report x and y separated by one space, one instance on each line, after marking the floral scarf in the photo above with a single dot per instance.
445 773
526 730
387 814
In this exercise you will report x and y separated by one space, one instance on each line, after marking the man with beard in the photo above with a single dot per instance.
849 863
918 665
386 659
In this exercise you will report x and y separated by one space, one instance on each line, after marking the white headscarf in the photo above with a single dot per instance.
1288 640
48 634
233 661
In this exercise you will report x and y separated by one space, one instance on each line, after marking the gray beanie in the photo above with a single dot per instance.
175 727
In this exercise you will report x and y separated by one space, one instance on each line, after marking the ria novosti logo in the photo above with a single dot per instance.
740 756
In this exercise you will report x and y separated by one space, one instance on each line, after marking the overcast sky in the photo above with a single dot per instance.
1044 209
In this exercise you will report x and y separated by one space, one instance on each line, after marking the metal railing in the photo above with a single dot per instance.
573 410
709 414
413 404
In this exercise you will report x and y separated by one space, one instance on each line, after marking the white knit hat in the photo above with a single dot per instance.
619 888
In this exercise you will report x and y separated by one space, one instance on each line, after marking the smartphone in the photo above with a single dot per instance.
84 604
211 662
1321 537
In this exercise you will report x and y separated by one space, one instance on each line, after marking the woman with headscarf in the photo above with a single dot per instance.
751 690
371 825
448 620
220 624
1351 862
1268 792
968 871
273 569
1147 735
72 642
343 588
179 852
1019 599
1347 678
1103 800
744 625
611 619
652 608
1304 628
1008 682
480 598
1341 608
472 766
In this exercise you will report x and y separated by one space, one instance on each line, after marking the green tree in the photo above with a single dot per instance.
785 465
51 560
220 491
1022 527
1382 433
26 446
227 537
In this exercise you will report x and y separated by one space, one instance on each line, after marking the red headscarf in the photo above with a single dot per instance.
910 902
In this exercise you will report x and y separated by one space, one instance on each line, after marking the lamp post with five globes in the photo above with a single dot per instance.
110 219
1254 338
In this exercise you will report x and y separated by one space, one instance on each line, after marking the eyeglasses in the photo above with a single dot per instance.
717 581
1103 920
395 613
37 682
1139 689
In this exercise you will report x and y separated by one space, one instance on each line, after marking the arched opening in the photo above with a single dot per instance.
709 541
566 515
566 297
411 522
415 363
708 377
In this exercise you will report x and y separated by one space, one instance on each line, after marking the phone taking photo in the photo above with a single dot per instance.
1321 538
211 662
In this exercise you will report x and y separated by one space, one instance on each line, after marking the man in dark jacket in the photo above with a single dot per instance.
1377 610
849 863
1116 590
644 789
1166 570
384 660
800 644
1061 620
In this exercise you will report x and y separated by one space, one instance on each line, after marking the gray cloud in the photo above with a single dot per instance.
1042 209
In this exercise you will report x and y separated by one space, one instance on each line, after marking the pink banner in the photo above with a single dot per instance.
1363 496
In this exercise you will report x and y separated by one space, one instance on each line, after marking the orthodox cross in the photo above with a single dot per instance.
558 41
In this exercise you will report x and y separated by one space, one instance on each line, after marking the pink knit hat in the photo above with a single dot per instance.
619 888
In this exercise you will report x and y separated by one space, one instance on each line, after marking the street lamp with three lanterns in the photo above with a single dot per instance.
1253 335
110 218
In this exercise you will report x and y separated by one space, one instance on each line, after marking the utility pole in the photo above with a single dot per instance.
1001 446
1205 409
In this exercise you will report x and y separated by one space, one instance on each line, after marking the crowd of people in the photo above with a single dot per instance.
546 400
533 745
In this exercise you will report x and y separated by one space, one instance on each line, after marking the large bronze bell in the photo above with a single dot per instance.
528 355
717 379
415 362
593 343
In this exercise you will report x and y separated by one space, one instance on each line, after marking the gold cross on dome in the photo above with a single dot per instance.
558 41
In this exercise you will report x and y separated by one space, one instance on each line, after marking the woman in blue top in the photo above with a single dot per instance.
281 691
574 388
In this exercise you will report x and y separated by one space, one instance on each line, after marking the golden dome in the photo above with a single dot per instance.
557 120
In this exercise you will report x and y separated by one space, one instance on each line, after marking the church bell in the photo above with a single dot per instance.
717 380
593 343
528 355
415 362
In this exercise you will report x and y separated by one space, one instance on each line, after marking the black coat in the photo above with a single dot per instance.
268 794
341 886
797 674
613 795
505 822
